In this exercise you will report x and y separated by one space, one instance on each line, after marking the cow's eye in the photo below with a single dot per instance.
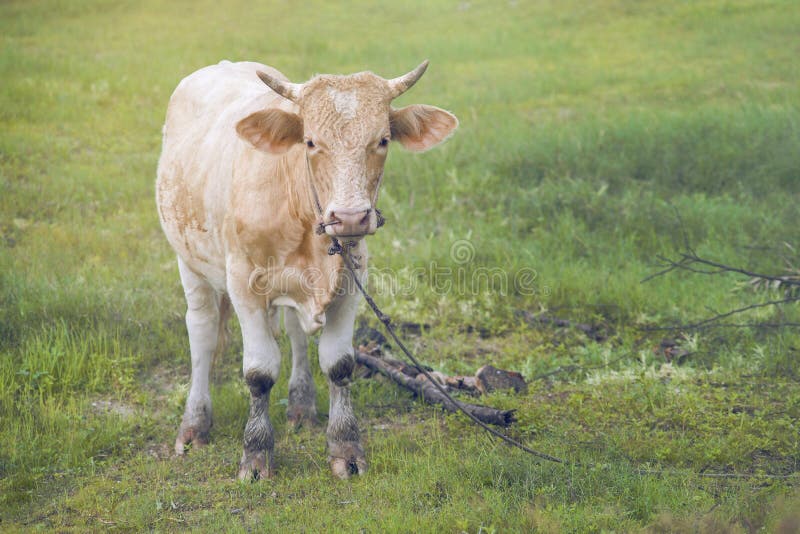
384 142
310 143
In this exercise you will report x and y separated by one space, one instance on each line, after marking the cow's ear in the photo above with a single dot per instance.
420 127
271 130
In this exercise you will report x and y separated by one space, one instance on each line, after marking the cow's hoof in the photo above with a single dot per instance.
302 408
302 416
190 437
347 459
254 466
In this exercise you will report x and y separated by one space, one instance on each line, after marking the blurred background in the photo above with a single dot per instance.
596 137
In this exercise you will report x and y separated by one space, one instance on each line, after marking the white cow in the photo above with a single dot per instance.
247 175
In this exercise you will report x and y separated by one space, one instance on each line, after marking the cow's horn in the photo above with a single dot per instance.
398 86
285 89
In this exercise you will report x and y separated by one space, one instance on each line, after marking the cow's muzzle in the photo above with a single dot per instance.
341 222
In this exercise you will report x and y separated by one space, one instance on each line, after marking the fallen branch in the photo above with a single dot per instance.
430 394
486 379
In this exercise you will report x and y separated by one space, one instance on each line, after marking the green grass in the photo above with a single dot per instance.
595 136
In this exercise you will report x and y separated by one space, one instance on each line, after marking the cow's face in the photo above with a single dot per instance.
345 124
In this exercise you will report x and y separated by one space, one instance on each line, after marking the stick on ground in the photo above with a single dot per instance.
427 392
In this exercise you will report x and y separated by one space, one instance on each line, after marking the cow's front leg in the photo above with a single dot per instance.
260 366
261 363
345 453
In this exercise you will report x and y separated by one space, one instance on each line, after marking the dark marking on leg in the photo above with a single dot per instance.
259 384
342 370
259 438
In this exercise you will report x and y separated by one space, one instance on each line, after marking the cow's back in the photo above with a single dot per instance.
200 153
203 97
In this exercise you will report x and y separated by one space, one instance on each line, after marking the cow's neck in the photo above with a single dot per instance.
303 275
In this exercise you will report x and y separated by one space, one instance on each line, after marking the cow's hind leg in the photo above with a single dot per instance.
345 453
206 314
261 363
302 392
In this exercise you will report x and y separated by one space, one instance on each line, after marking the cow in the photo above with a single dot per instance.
257 174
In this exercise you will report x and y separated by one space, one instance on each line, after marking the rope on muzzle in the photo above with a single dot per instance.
321 225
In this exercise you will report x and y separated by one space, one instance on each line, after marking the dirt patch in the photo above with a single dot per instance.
160 451
105 407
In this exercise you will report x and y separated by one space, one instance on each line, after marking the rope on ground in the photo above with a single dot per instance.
336 248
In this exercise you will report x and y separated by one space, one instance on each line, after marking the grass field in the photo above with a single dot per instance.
595 136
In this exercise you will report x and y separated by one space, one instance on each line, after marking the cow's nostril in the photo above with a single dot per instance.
346 222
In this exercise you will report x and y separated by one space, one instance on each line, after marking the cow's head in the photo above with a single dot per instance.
345 124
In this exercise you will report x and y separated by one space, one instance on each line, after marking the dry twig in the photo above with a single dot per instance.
429 393
689 261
